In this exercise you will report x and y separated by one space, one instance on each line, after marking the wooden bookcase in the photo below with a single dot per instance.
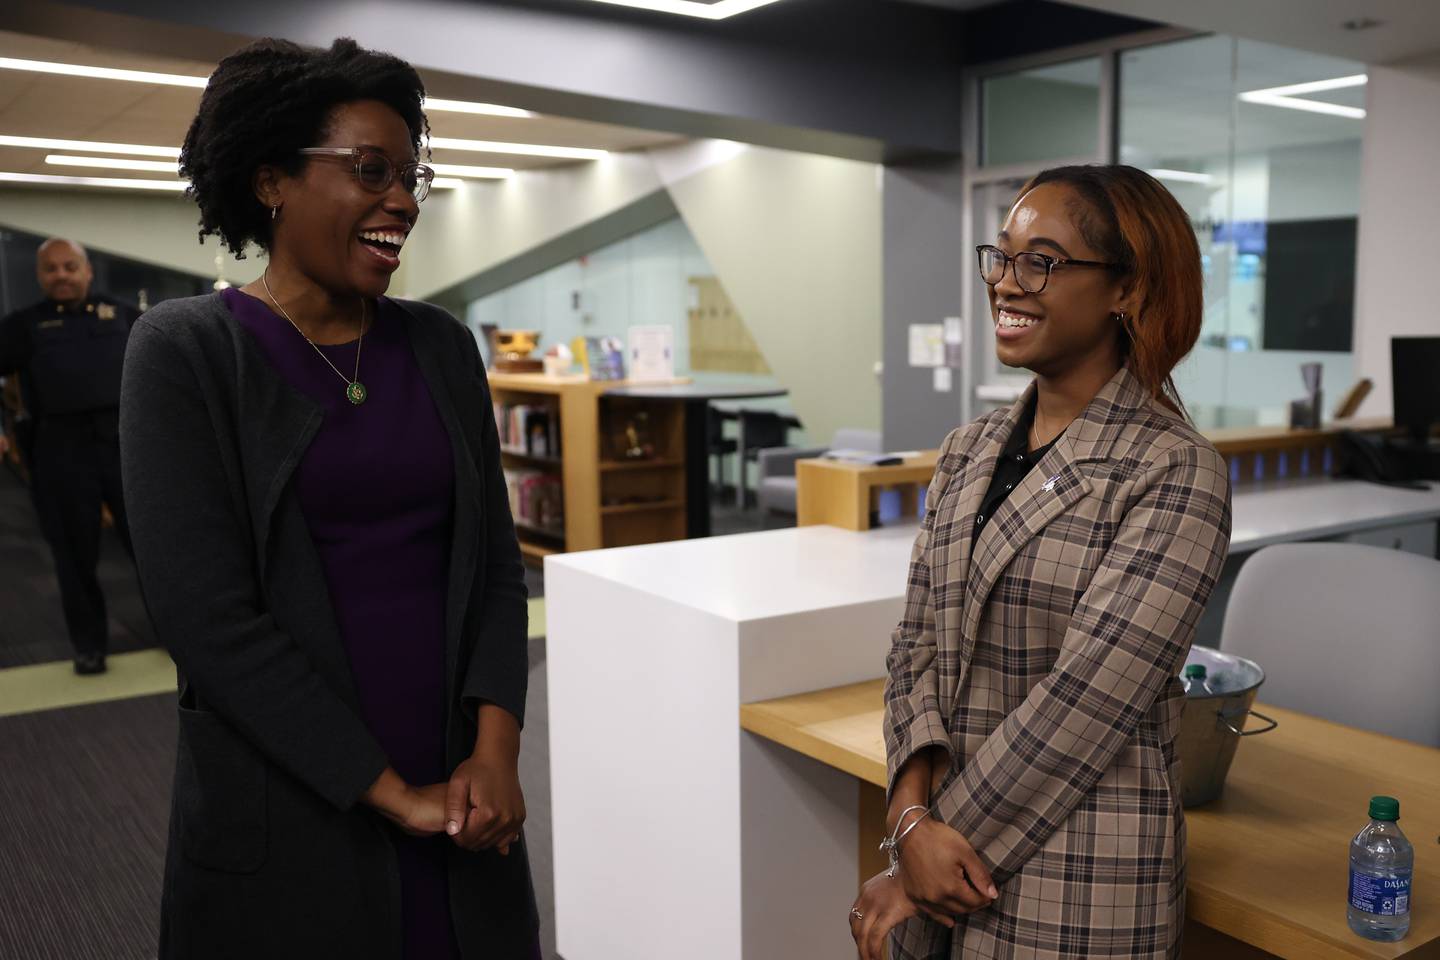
609 500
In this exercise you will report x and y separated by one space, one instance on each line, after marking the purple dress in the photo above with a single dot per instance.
377 487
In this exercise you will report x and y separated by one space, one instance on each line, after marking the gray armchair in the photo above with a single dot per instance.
776 494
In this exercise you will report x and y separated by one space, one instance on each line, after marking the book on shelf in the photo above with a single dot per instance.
602 358
531 430
537 500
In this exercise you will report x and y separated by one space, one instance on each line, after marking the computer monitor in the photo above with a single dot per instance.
1415 382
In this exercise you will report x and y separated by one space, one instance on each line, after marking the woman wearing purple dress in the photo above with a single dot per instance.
325 545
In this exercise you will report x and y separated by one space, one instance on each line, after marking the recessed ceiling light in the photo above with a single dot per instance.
691 8
446 183
467 106
123 182
1183 176
1290 96
102 73
50 143
113 163
517 149
464 170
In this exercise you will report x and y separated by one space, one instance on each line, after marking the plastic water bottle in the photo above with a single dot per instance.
1381 861
1195 680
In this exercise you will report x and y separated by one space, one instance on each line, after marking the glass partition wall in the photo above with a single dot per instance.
1261 146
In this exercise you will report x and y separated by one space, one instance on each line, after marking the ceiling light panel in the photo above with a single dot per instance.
127 183
1291 96
516 149
1313 86
467 106
90 146
102 73
182 80
1180 176
113 163
465 170
690 8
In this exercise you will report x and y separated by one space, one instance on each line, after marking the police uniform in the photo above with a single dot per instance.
69 360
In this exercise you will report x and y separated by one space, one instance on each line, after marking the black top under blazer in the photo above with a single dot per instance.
270 855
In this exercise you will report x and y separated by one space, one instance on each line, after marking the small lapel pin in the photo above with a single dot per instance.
1050 484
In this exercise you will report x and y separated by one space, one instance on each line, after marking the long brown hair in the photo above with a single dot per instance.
1132 220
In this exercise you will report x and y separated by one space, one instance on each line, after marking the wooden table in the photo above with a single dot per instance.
840 493
1268 860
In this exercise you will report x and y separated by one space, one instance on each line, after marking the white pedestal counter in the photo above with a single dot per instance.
677 834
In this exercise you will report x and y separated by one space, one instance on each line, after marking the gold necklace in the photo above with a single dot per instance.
1034 431
355 391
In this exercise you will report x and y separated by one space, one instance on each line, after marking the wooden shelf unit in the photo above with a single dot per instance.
529 461
608 466
642 507
530 550
592 473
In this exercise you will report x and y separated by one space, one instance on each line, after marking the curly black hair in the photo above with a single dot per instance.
265 103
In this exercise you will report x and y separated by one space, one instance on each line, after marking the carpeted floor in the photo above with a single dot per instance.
84 802
32 628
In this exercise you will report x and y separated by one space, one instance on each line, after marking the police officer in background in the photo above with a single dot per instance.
68 350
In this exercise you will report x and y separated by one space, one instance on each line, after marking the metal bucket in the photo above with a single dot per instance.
1213 723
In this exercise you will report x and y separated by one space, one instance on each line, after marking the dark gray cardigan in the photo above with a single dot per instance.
270 855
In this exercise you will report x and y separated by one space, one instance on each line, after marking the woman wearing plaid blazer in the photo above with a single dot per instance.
1032 702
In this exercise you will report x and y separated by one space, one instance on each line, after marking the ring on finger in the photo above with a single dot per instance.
856 914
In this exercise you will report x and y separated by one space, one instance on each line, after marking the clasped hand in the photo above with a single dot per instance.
481 807
940 876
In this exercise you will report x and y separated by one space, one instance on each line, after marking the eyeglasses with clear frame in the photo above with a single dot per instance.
1032 270
375 172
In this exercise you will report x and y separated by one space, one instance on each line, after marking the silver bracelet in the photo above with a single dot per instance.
913 824
890 846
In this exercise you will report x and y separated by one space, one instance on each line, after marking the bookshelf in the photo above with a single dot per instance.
564 440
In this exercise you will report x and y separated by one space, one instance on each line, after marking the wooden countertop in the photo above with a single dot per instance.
1228 440
1268 860
918 468
546 383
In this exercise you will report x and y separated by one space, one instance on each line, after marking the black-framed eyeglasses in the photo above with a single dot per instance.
1032 270
375 171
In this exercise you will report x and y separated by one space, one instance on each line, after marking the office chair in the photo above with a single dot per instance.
759 430
777 490
1346 632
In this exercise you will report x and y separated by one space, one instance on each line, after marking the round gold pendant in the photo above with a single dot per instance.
355 393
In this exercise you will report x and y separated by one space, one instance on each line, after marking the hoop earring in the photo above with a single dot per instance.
275 211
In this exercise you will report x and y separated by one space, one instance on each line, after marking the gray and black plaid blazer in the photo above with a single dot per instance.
1042 656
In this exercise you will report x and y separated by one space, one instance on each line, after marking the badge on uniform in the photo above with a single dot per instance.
105 311
51 324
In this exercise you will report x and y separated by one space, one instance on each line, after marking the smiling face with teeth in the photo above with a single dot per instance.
343 238
1070 322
